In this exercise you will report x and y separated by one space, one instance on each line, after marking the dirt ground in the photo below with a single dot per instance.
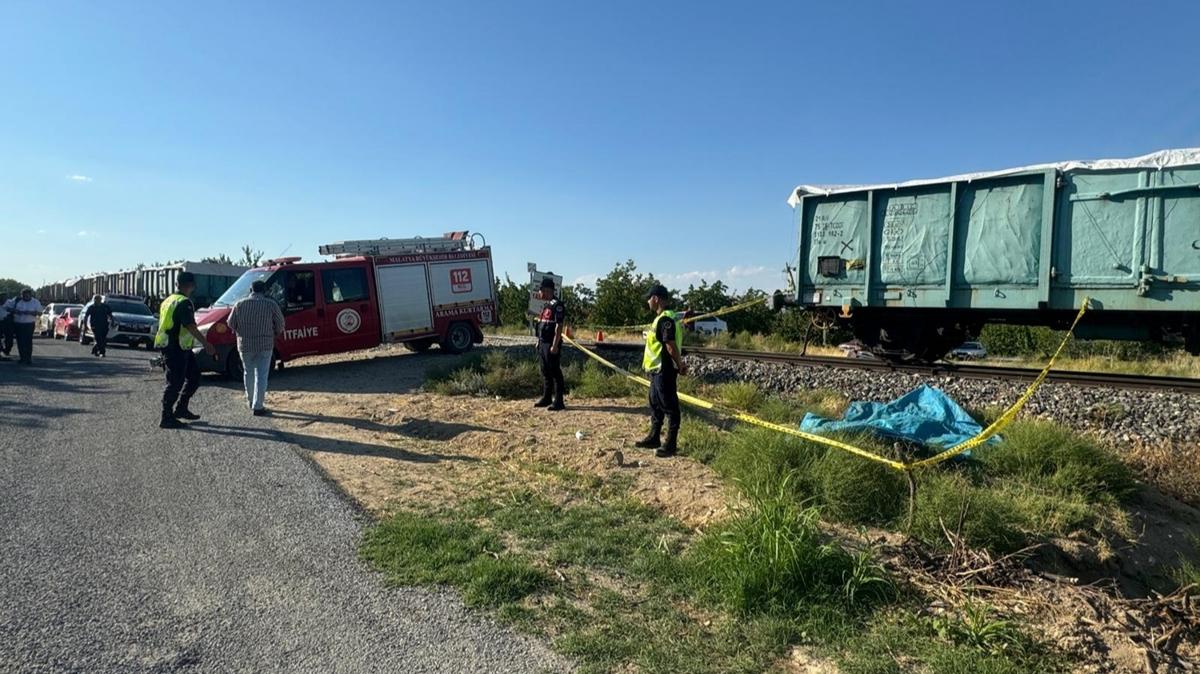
391 445
404 447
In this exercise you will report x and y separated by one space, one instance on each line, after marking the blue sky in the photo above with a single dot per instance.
572 134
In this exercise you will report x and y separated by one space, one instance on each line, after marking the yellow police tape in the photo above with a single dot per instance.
995 427
689 319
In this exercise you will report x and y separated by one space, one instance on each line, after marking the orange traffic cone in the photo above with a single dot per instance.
599 335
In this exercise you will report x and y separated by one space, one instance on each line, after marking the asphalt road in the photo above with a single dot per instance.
220 548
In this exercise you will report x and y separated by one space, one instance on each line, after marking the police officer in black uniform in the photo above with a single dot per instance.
663 361
177 332
549 347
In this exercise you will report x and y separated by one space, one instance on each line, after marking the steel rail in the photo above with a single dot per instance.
1076 377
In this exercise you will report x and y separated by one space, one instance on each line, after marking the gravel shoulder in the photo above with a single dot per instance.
219 548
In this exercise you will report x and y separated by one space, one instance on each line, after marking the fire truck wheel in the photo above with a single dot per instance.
459 339
233 366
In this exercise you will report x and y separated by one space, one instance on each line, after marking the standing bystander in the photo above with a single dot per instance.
25 312
256 320
6 325
98 316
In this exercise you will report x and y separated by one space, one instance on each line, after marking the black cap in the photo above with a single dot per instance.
547 283
658 291
185 277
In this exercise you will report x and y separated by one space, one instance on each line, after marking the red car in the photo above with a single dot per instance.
67 325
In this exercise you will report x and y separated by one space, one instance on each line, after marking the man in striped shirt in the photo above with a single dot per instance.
256 320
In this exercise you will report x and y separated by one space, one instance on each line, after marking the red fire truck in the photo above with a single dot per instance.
418 292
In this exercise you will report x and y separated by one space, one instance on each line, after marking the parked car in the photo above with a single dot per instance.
67 324
45 322
133 322
710 326
968 351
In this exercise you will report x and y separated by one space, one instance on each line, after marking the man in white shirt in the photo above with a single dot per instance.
25 312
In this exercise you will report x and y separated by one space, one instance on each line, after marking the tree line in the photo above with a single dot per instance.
619 299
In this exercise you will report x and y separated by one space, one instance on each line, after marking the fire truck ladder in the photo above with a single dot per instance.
448 243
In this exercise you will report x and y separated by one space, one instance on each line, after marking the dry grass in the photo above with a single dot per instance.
1170 467
1174 365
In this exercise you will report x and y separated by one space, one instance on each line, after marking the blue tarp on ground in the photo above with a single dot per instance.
924 415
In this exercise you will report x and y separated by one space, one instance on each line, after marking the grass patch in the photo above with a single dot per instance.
415 550
638 592
1187 574
773 558
1040 482
899 640
592 380
514 374
617 534
1170 466
620 587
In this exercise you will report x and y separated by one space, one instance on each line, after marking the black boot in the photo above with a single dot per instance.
169 421
182 412
669 447
545 400
558 404
651 441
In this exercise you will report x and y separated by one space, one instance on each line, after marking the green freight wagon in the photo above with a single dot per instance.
212 280
915 268
151 283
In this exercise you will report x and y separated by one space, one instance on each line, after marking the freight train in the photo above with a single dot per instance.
152 283
916 268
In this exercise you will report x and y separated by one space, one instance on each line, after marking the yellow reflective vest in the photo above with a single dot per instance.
652 357
166 321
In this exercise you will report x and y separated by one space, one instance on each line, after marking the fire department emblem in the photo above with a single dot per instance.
348 321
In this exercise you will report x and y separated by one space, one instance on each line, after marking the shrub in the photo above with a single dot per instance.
464 381
772 558
741 395
1051 457
853 489
593 380
991 521
757 458
701 442
511 378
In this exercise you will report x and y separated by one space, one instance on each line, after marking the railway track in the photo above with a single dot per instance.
1185 385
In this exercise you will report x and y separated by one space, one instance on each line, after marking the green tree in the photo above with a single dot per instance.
756 318
706 298
513 300
220 259
579 302
250 257
11 286
620 296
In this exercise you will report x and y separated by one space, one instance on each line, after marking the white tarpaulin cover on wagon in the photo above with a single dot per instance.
1155 160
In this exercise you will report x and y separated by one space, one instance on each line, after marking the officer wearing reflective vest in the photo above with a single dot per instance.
663 360
177 333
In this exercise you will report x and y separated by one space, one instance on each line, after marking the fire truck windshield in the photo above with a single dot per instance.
241 288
